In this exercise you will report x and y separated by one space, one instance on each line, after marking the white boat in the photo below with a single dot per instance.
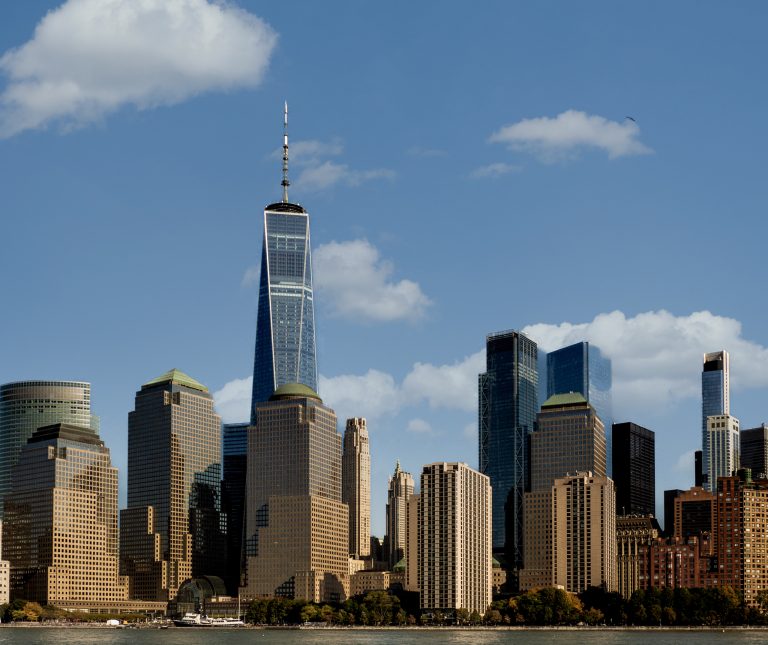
191 619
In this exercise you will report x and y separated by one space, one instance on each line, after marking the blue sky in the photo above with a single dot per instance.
467 169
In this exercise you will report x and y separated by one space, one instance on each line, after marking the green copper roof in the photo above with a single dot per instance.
178 377
400 566
571 398
294 390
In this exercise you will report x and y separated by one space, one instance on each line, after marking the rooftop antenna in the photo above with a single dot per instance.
285 183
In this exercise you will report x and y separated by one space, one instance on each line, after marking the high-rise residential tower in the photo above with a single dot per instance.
60 528
297 528
172 528
356 486
26 406
754 451
715 401
583 368
454 543
285 326
634 469
723 447
399 490
234 468
508 405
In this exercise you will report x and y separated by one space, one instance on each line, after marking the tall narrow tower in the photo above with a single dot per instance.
400 490
508 398
715 401
356 486
285 326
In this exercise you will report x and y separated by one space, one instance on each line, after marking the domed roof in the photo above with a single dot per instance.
294 391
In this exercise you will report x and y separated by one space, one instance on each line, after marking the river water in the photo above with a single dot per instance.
75 636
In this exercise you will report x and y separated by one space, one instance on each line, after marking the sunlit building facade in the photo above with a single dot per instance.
26 406
174 484
715 401
356 486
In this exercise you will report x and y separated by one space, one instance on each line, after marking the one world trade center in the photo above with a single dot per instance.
285 326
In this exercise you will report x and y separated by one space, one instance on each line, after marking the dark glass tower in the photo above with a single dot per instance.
285 326
715 400
634 469
583 368
508 406
234 461
754 451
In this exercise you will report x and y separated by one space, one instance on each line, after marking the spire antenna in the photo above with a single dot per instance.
285 183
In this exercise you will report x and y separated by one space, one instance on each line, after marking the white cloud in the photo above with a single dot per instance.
686 463
357 284
310 152
494 170
419 426
446 386
329 173
657 356
371 395
376 394
90 57
233 400
555 138
251 276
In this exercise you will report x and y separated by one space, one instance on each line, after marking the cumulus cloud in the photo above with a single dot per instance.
329 173
657 356
233 400
494 170
88 58
446 386
564 135
419 426
357 284
376 393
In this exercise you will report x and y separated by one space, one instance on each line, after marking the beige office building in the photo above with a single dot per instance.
297 528
455 558
584 532
412 543
5 572
569 438
399 490
60 528
171 530
356 486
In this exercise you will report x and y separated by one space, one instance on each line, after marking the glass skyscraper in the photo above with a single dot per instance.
285 326
508 406
715 401
583 368
235 462
26 406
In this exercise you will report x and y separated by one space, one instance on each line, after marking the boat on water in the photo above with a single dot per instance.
191 619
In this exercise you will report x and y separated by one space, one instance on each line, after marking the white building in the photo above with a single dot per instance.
723 447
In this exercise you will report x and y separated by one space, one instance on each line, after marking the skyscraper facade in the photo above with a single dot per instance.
715 401
234 469
634 469
723 447
285 326
297 528
26 406
583 368
60 528
569 438
174 484
754 451
508 406
356 486
584 533
455 557
399 490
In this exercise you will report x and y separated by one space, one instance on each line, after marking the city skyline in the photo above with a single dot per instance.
103 203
